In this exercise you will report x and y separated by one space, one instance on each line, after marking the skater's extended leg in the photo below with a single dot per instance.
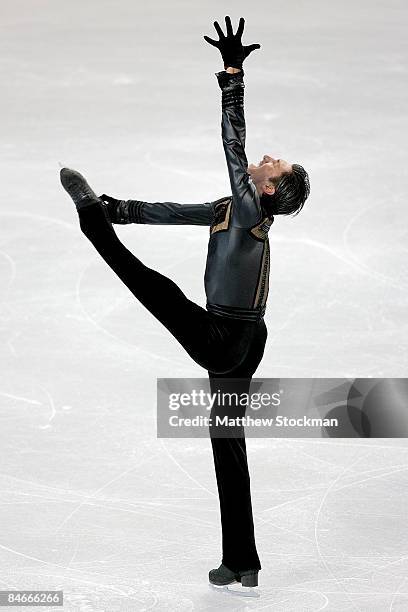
159 294
212 343
185 320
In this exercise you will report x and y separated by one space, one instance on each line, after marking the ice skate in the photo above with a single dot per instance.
223 578
77 187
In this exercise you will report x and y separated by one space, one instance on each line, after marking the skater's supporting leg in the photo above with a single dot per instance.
231 466
233 482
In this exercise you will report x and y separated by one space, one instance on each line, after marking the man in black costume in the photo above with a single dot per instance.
228 337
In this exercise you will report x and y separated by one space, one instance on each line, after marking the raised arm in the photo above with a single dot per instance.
158 213
246 205
233 129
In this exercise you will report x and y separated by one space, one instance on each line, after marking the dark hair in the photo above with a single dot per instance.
291 192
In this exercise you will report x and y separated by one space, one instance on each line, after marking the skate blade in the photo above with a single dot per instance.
235 588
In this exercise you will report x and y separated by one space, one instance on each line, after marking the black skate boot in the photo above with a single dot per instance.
75 184
79 190
223 576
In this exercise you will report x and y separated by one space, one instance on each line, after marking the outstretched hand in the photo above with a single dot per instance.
231 48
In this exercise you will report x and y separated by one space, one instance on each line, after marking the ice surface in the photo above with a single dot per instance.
92 502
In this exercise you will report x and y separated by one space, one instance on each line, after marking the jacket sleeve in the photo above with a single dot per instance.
164 213
246 201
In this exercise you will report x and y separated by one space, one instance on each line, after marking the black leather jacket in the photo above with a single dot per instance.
237 271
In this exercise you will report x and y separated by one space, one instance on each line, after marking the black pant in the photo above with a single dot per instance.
224 347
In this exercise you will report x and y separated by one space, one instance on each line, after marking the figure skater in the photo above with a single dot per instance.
227 338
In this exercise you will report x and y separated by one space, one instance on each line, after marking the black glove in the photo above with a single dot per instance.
112 208
232 50
121 211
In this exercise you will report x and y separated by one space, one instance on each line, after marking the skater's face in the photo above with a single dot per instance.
268 170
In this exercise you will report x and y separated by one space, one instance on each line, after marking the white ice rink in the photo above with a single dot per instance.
125 92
